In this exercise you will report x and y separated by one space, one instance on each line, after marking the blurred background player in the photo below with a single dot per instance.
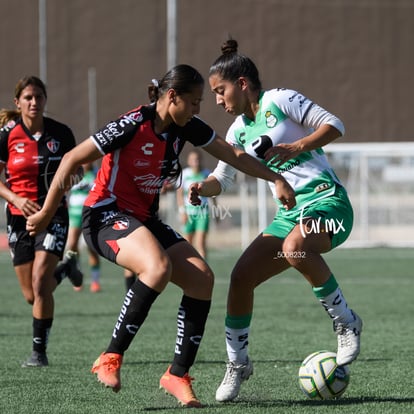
77 196
31 147
195 219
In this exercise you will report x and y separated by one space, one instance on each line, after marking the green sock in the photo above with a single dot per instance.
327 288
238 322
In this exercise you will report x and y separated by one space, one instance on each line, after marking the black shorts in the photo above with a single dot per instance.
52 240
103 226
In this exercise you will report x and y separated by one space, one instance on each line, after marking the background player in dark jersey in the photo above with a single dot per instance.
31 147
120 218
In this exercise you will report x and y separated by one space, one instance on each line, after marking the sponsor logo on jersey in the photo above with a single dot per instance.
146 148
19 147
142 163
37 159
18 160
150 180
301 99
111 131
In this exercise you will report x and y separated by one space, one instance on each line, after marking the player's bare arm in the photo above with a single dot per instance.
239 159
281 153
62 182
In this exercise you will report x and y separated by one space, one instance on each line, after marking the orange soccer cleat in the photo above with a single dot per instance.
108 370
95 287
180 388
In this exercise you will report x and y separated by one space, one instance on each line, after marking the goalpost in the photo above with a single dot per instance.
379 178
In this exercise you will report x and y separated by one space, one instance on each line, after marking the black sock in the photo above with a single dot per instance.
129 281
191 321
41 328
135 308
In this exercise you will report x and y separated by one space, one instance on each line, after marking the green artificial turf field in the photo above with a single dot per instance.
288 324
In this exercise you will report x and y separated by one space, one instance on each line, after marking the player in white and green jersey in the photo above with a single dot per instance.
78 194
195 219
286 131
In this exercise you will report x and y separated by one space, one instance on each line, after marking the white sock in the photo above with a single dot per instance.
236 344
336 306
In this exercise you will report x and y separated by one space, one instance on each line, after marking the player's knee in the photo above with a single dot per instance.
208 281
294 251
242 277
160 270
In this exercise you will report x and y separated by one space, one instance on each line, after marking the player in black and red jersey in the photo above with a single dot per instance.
31 148
120 217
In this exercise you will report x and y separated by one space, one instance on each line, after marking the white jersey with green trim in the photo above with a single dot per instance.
189 177
285 116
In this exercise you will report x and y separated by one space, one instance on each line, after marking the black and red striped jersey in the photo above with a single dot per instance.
138 161
31 162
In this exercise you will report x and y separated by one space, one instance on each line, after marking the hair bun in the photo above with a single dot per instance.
229 46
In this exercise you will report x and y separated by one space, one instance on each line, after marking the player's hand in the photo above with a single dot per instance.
194 193
281 153
37 222
285 193
26 206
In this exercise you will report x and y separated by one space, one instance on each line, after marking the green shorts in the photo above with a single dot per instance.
197 222
333 214
75 216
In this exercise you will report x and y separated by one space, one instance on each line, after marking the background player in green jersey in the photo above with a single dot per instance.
78 194
286 131
195 219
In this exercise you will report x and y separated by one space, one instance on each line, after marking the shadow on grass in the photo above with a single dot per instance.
256 361
241 404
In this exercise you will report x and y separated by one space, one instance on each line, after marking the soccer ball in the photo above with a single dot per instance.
320 378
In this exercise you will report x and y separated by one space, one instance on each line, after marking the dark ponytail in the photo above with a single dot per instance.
231 65
182 78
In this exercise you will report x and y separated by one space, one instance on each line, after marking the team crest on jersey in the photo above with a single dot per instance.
136 116
121 224
53 146
271 119
9 125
